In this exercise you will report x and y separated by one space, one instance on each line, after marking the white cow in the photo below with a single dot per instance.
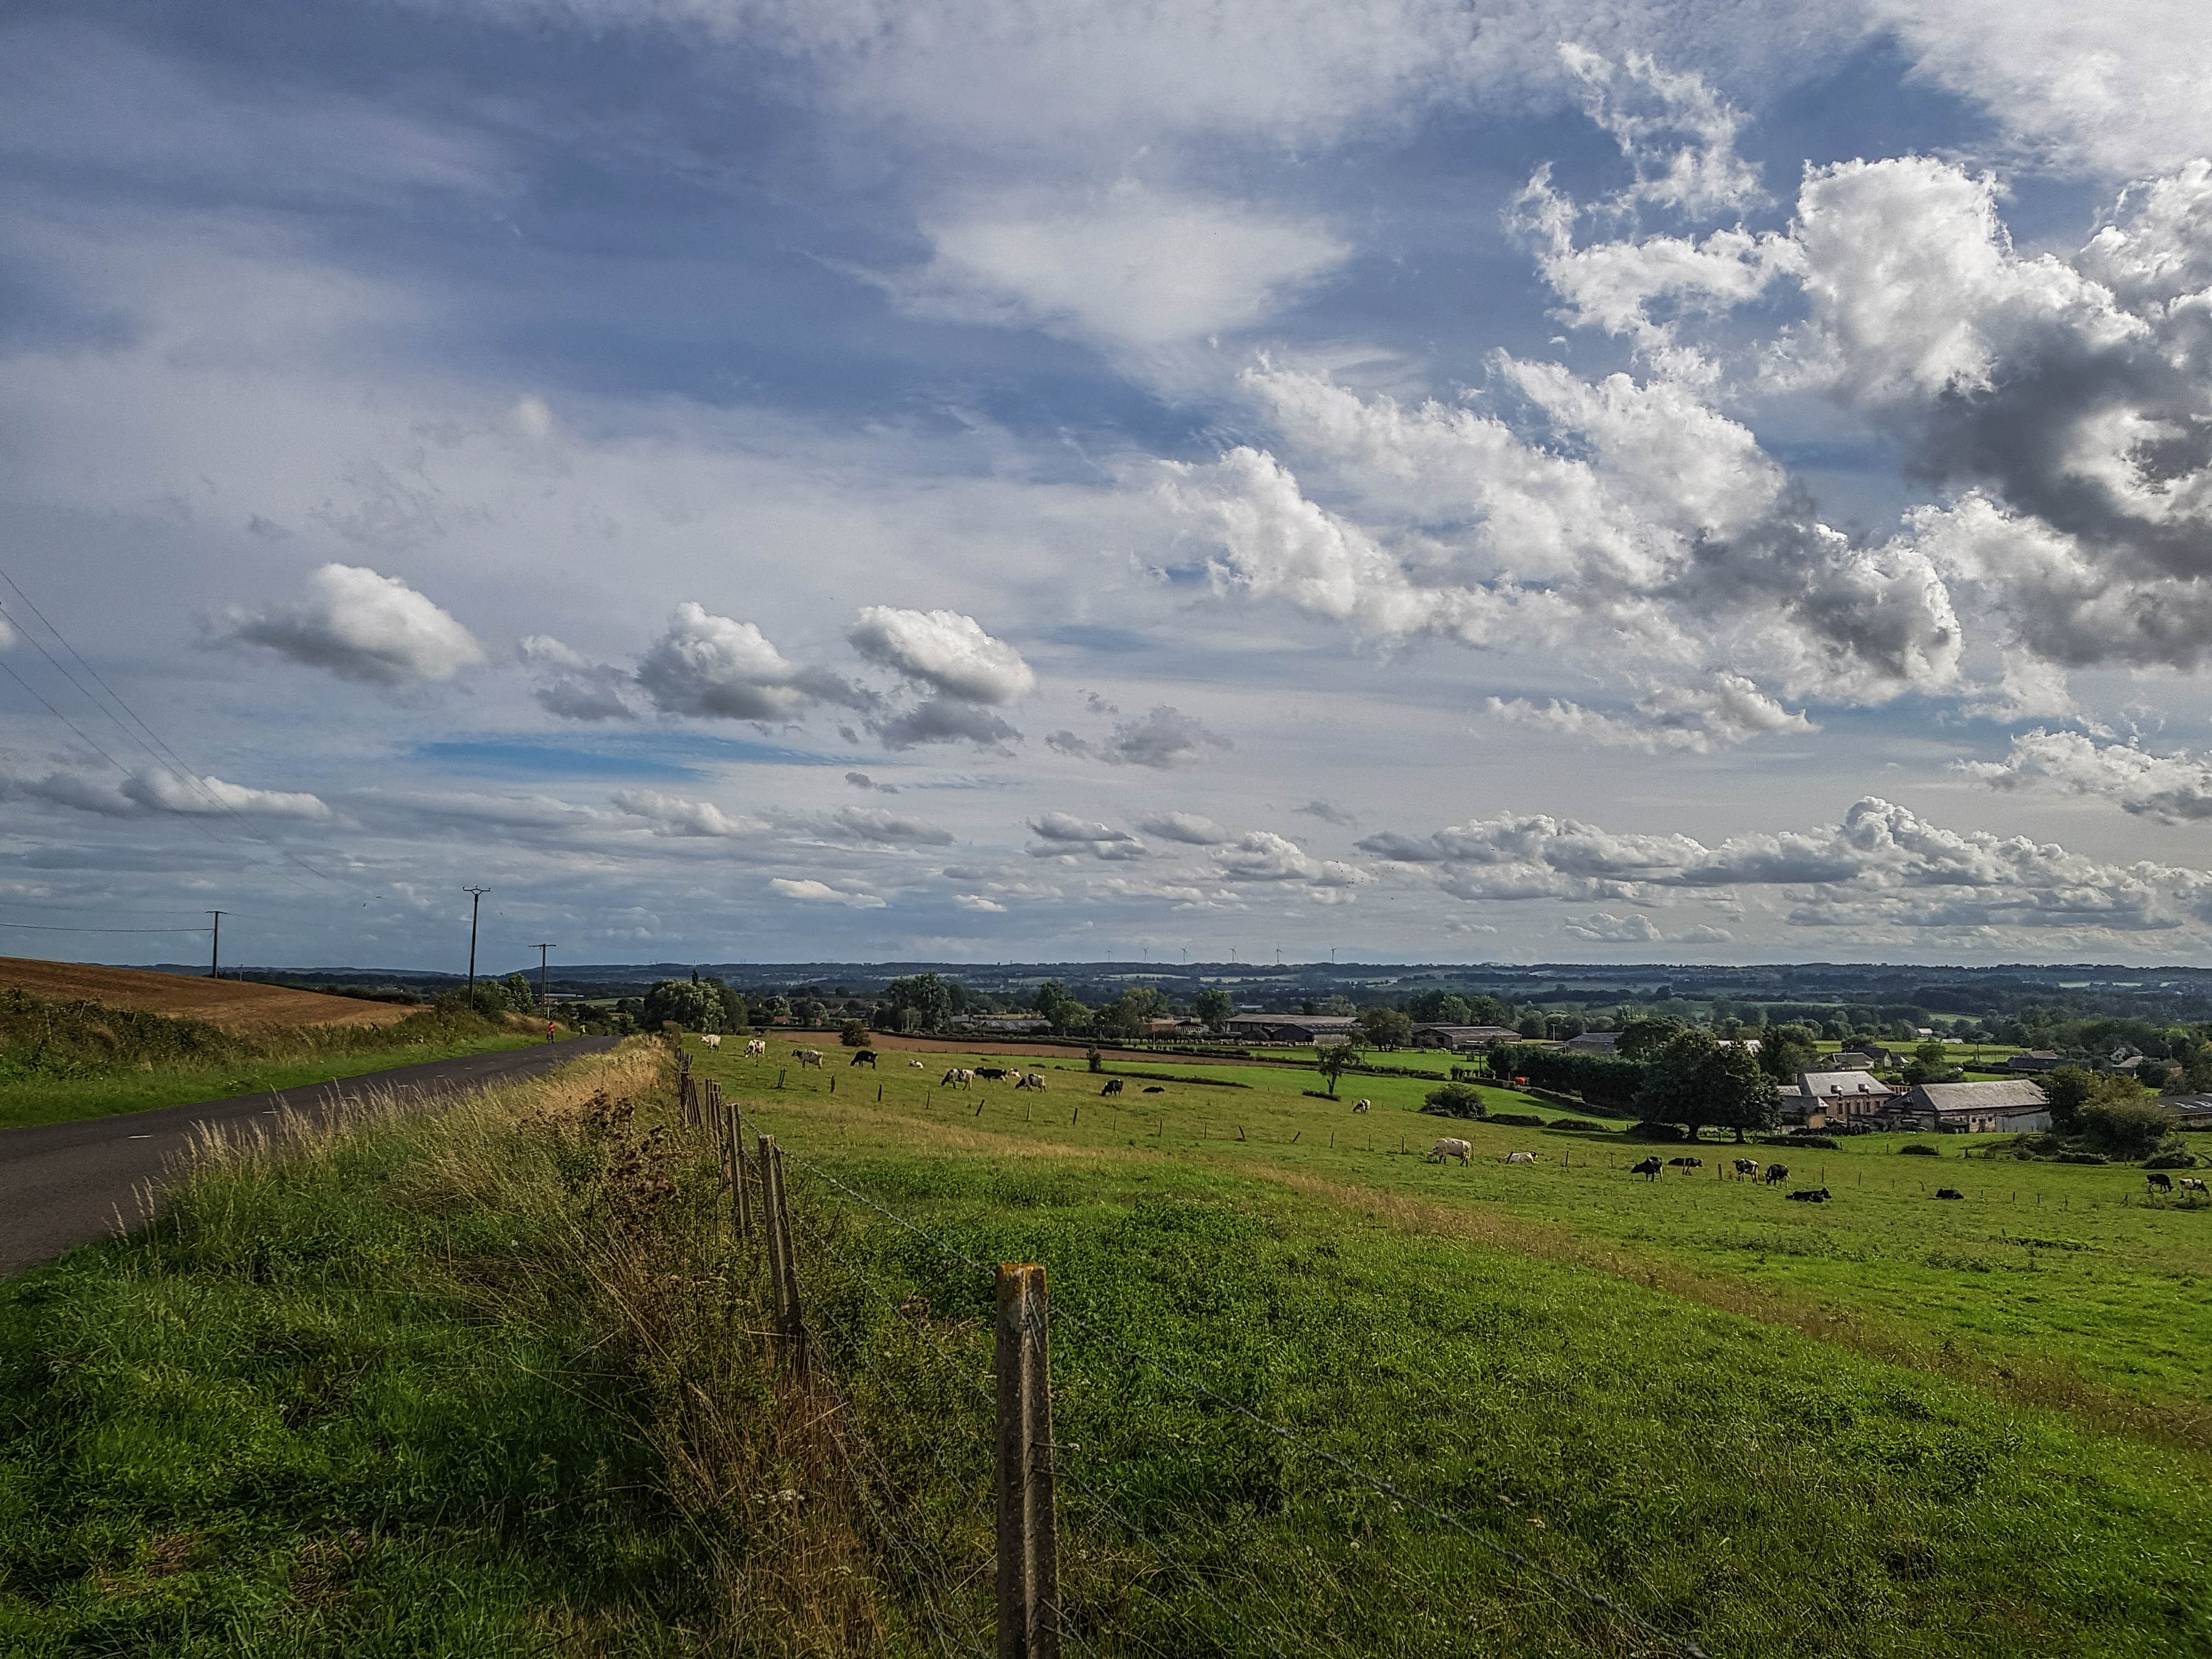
806 1057
917 1066
1361 1105
1449 1148
961 1075
758 1046
1520 1158
1029 1080
710 1041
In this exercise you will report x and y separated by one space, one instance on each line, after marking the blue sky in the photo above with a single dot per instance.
1519 481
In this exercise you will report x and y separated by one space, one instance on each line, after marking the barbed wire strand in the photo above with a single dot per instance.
1596 1599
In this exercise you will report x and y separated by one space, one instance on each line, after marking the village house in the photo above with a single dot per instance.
1844 1097
2036 1059
2191 1111
1594 1042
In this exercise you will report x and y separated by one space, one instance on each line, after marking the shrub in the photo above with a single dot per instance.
1517 1120
1457 1100
2176 1159
1915 1149
2124 1128
1822 1142
2080 1158
1580 1125
853 1035
1648 1131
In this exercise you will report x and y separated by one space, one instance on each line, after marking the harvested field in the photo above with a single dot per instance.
224 1003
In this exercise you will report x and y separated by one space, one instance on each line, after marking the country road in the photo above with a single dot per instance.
64 1184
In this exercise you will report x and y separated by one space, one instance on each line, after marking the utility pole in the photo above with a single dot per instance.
476 899
215 949
544 1007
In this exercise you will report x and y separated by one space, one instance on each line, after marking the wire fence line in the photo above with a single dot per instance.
1115 1342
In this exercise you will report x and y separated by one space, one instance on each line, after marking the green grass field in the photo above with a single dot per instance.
26 1100
495 1381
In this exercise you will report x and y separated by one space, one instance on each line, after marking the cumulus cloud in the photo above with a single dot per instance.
670 815
819 892
1062 834
1883 867
2171 789
976 902
360 626
146 793
965 670
719 668
1163 739
575 688
1603 927
1707 934
1726 710
862 780
881 827
1189 828
1262 855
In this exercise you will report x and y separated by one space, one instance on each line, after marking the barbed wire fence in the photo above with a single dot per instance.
970 1596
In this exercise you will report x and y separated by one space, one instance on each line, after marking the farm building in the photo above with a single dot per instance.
1841 1097
2194 1111
1293 1028
1005 1025
1593 1043
2008 1106
1460 1038
2037 1059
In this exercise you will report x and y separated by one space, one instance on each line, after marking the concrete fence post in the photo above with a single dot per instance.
1029 1537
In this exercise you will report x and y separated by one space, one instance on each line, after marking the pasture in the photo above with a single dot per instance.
2052 1283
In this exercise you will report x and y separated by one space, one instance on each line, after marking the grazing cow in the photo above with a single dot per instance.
960 1076
1449 1148
1817 1195
756 1048
1776 1174
2155 1182
1520 1158
1114 1087
863 1057
1649 1169
992 1073
1154 1088
1948 1192
710 1041
1685 1162
1747 1169
1361 1105
1029 1081
806 1057
2193 1186
917 1066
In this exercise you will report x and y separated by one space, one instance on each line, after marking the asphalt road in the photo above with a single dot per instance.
66 1184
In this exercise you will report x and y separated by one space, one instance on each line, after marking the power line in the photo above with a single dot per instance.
48 928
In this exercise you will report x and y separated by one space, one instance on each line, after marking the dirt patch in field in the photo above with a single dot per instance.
225 1003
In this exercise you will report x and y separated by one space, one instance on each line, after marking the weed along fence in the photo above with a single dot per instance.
1015 1512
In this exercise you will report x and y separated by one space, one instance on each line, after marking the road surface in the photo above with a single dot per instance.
64 1184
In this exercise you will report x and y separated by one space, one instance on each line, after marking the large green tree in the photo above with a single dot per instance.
1698 1080
1215 1005
1786 1050
694 1006
1385 1028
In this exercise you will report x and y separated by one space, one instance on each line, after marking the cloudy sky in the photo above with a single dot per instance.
1534 479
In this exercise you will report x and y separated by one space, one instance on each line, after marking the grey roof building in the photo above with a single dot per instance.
2005 1105
1462 1036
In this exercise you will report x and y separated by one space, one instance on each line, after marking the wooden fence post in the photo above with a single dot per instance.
741 1202
1029 1538
782 1270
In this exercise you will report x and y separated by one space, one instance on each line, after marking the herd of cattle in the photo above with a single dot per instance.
1739 1169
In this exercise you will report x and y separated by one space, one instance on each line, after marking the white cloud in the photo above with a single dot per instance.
1707 934
882 827
147 793
717 667
1882 868
976 902
1132 266
1262 855
2171 789
944 650
816 892
1679 134
1728 709
1063 835
360 626
943 719
1603 927
670 815
1189 828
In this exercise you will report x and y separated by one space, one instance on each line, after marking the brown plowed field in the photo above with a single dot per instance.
223 1002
